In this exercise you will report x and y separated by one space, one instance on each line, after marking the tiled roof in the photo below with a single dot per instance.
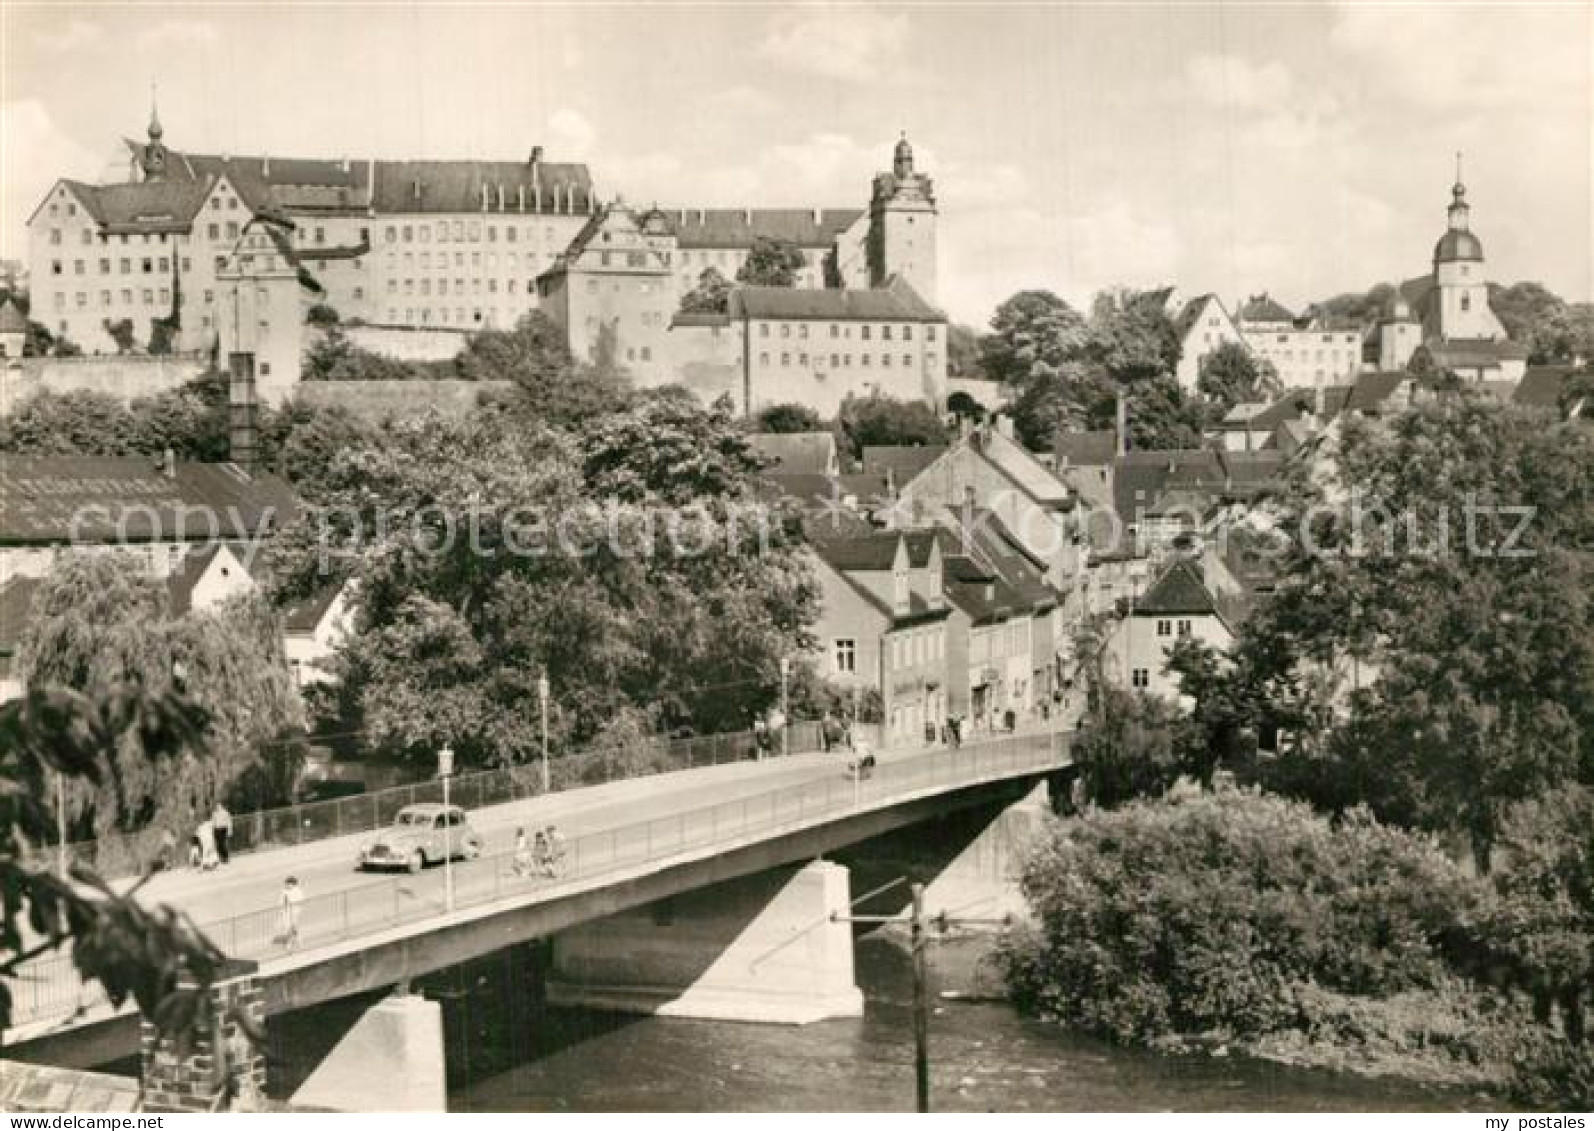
1541 386
1373 389
305 614
1021 467
1457 353
738 228
796 452
1142 479
1179 591
153 206
12 320
904 463
1087 449
389 187
876 551
1264 308
96 500
1191 311
895 302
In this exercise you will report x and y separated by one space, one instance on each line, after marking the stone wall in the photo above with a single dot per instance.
42 1088
409 343
123 377
384 400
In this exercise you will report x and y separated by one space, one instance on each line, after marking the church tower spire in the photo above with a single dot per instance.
901 240
152 159
1459 209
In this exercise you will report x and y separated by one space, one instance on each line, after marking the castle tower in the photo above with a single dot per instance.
902 226
1399 334
152 159
1463 299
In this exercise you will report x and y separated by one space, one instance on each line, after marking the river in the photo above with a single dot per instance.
984 1056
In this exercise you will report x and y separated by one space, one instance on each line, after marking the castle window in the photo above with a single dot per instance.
1140 678
835 331
105 267
863 332
55 235
907 333
785 329
1466 302
802 330
907 359
763 328
885 360
835 361
785 359
802 359
763 357
885 333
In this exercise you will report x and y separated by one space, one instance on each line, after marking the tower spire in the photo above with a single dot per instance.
155 130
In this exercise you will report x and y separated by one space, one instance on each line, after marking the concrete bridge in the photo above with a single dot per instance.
732 854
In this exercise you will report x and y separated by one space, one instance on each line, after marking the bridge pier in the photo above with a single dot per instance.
761 948
220 1067
982 880
391 1060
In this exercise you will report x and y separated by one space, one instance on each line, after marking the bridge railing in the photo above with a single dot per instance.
264 829
50 987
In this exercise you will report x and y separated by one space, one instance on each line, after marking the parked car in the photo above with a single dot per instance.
422 835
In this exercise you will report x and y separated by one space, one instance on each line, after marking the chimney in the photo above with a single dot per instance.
522 195
536 156
344 164
484 196
1121 424
415 188
265 166
241 436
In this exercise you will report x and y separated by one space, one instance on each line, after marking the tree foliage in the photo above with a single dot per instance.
133 952
1220 913
877 420
191 421
100 622
711 295
334 357
1231 375
771 262
1553 330
788 418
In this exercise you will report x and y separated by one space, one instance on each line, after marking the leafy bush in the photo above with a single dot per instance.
1204 914
1553 1073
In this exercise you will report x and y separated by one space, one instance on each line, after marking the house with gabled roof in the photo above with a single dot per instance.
1191 599
882 624
1203 325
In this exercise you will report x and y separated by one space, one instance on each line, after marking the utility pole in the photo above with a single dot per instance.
919 936
542 699
60 825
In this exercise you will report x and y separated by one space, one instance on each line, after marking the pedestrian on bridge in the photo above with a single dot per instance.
221 820
291 899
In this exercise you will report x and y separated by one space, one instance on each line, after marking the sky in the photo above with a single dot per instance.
1303 149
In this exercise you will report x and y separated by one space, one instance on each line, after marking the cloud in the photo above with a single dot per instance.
176 35
34 152
76 36
1441 58
570 134
1232 81
848 44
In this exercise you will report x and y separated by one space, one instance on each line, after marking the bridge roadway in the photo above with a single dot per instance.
629 842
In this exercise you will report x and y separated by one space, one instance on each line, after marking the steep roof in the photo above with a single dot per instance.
1541 386
1142 480
1086 449
304 616
812 453
1264 308
151 206
1471 353
903 462
1180 591
12 320
876 551
897 301
739 228
105 500
1188 315
1373 389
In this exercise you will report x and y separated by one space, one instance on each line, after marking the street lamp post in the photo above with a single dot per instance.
542 700
60 825
785 705
445 770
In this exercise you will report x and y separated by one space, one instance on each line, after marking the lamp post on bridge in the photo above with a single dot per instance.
785 705
445 770
542 713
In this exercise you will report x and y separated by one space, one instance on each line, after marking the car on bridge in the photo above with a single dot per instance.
422 835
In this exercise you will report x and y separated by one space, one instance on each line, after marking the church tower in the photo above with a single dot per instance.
902 226
1463 292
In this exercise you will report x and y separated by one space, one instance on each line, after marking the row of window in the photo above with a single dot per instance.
151 296
923 646
147 266
840 330
462 316
427 287
462 231
1165 628
840 360
87 237
1010 639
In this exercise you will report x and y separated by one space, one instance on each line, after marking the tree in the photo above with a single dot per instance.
1161 417
1128 747
1481 634
1540 320
121 333
1132 336
712 295
333 357
771 262
623 559
190 421
100 621
1231 375
881 421
1361 308
1033 336
963 405
155 957
964 352
788 418
549 384
321 315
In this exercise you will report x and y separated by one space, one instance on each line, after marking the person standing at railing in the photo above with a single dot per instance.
289 902
221 820
205 837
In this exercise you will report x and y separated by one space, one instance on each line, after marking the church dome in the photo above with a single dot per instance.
1457 245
